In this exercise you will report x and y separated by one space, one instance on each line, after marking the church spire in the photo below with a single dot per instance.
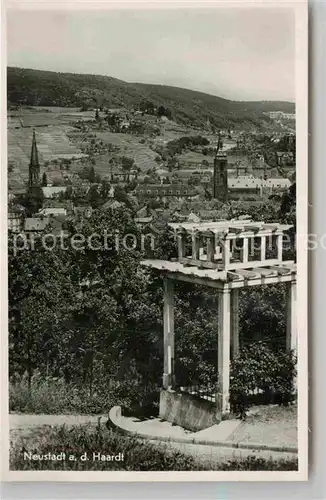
34 153
34 166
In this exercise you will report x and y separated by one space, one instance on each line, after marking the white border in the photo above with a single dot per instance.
301 14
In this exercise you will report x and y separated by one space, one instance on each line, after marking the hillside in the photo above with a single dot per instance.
47 88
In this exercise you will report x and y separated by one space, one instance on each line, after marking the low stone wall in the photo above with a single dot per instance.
190 412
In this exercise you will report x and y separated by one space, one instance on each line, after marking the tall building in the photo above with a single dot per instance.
220 181
34 166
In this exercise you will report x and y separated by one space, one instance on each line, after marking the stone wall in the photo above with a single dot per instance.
186 410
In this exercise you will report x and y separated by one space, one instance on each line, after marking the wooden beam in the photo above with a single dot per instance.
200 263
291 317
280 247
181 245
244 251
235 276
210 248
248 274
223 361
235 346
195 246
281 270
168 319
226 254
252 264
263 248
266 271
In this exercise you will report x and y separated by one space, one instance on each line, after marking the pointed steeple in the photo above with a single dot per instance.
34 166
34 153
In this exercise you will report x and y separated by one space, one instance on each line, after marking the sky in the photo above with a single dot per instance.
240 54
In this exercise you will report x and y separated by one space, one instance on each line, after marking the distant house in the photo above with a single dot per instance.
33 224
249 184
83 212
112 205
244 184
208 215
52 211
144 216
284 158
119 175
53 191
277 184
36 225
193 218
165 191
15 222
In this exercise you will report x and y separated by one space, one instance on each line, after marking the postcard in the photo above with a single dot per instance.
155 177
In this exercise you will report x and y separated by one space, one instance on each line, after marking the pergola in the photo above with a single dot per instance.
226 255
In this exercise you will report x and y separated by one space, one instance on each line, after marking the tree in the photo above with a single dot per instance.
127 163
44 179
147 107
32 200
93 197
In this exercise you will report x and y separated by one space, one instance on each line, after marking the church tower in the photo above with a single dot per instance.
220 180
34 166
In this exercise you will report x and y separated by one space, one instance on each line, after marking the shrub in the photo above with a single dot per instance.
261 369
51 395
258 463
137 398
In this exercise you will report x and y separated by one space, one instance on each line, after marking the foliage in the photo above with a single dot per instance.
259 464
44 179
52 395
32 200
75 331
259 368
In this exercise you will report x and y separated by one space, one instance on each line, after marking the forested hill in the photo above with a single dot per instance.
48 88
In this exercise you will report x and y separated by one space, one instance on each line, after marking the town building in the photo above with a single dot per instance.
165 191
15 221
34 166
220 180
52 211
50 192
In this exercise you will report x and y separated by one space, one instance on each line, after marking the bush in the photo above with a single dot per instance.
258 463
259 368
52 395
138 398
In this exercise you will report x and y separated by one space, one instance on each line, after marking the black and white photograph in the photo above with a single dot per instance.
156 214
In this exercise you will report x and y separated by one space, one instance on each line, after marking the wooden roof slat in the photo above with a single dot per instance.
266 271
285 268
235 276
248 274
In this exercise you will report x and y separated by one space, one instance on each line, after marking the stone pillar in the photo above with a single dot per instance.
244 251
263 248
181 245
291 319
235 322
168 319
280 247
210 248
226 254
223 361
195 246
